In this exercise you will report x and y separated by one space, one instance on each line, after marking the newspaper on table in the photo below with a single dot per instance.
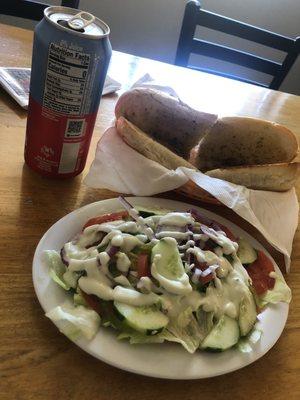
16 82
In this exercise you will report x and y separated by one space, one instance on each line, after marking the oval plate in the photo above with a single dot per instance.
167 360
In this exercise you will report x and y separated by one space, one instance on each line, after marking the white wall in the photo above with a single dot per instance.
150 28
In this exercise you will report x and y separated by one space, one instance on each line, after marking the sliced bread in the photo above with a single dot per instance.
151 149
275 177
165 118
234 141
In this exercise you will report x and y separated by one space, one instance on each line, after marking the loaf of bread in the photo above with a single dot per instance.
246 151
165 119
151 149
234 141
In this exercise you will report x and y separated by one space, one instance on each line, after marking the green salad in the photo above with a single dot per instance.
159 275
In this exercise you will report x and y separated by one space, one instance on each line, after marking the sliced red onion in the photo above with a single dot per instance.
196 275
216 227
65 260
206 272
210 270
200 217
206 230
135 215
205 220
112 251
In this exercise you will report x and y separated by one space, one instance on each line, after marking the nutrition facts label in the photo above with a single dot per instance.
66 78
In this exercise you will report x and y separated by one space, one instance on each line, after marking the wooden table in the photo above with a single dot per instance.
39 363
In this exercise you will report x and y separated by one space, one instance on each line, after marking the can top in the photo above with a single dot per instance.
77 22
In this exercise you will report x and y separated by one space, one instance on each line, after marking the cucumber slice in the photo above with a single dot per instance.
248 315
148 212
169 263
167 267
223 335
246 253
148 319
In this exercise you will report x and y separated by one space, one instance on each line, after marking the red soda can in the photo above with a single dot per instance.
71 53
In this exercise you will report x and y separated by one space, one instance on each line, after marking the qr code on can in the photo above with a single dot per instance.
75 128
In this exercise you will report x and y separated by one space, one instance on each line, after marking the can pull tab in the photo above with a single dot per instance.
81 20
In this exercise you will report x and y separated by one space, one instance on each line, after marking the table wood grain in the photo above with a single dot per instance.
36 362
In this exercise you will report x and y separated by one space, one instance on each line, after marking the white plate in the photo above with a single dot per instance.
167 360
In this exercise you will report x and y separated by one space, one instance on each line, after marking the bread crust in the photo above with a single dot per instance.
140 141
165 119
235 141
247 151
277 177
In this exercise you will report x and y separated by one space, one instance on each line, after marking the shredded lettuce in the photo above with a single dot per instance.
280 292
139 338
184 330
79 300
56 268
205 320
75 322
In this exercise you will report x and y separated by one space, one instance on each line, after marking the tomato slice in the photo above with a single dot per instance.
228 232
106 218
143 265
259 272
92 301
204 279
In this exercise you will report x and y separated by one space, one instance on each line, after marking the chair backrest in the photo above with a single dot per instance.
30 9
188 45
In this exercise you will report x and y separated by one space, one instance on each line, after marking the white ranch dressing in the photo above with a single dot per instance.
123 240
128 226
222 298
176 219
173 234
180 285
91 235
146 284
73 250
219 237
123 262
188 244
143 226
98 284
225 297
133 297
211 258
79 265
103 258
122 280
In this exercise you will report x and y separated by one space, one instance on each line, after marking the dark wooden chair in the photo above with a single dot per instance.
194 16
30 9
